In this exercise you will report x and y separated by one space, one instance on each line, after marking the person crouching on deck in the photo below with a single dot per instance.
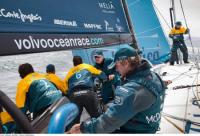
35 93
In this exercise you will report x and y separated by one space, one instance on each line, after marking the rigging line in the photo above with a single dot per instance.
148 30
196 78
178 72
196 98
181 74
197 89
183 13
189 75
145 37
193 88
175 125
181 119
184 86
186 107
186 24
161 15
184 74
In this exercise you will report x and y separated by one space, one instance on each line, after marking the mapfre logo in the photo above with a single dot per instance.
106 5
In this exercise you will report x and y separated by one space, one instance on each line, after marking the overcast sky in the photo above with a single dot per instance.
191 9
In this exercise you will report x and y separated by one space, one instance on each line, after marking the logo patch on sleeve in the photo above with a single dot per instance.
78 75
124 90
117 100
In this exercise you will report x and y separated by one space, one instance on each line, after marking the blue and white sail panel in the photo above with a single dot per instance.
28 26
148 31
62 16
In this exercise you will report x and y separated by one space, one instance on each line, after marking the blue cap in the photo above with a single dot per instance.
123 53
178 23
98 53
50 68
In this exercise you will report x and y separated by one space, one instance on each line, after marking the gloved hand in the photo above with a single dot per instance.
97 83
187 31
111 77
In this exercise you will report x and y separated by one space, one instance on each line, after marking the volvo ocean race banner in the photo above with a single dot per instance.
28 43
148 31
28 26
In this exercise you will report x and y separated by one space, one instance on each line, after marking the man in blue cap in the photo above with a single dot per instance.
50 69
57 81
138 101
108 87
178 42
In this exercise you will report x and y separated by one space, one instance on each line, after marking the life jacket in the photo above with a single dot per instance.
107 91
38 89
178 34
147 121
57 82
81 76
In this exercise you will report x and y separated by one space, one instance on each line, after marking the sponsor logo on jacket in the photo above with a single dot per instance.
153 118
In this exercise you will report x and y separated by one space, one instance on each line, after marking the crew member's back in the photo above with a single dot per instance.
34 94
80 84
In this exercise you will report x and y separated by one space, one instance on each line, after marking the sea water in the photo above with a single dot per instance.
9 76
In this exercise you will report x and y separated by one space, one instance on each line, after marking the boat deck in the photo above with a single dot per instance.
180 104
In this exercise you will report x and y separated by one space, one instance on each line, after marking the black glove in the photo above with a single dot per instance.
187 31
97 83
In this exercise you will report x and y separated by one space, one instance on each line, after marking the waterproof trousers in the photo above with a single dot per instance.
183 49
87 99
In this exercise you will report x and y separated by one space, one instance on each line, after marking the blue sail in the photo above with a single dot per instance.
65 16
31 26
148 31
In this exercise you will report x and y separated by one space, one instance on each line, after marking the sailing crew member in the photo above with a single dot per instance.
178 42
138 101
101 63
51 75
81 89
35 93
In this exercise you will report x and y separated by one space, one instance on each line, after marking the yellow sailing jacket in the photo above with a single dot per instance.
174 31
23 87
5 117
78 68
60 84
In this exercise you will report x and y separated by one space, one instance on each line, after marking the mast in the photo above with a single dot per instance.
173 21
135 45
174 10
